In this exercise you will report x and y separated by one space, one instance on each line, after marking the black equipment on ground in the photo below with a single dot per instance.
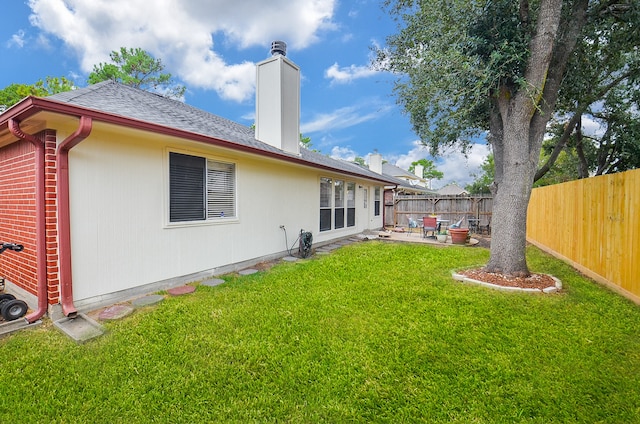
10 307
306 239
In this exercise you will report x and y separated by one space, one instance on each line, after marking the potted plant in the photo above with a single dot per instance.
441 236
459 235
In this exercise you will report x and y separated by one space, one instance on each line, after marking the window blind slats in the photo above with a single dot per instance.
221 190
200 189
186 188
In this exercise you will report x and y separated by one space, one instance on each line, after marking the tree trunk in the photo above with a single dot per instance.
509 218
525 114
520 149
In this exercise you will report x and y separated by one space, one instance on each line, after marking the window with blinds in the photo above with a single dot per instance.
200 189
334 196
351 204
326 185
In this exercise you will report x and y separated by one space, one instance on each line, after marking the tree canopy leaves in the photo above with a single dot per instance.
133 67
483 181
137 68
429 170
13 93
601 87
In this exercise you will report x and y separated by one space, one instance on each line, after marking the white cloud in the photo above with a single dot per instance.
454 165
347 74
17 39
591 127
182 33
345 117
344 153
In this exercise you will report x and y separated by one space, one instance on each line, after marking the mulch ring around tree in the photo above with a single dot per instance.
538 282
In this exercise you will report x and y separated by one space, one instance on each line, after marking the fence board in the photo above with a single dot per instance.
451 208
594 224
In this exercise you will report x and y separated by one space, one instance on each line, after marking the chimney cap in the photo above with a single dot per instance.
278 48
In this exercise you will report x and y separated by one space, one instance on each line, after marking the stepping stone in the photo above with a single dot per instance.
177 291
290 259
147 300
212 282
115 312
248 271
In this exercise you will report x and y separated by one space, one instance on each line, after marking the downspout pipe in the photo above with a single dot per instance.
64 215
41 253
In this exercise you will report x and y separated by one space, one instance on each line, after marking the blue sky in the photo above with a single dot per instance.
347 109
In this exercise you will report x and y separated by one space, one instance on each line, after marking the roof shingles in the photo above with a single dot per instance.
132 103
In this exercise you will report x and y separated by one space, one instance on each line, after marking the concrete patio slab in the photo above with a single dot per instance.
418 238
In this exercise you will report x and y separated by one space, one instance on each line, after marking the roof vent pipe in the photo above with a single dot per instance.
278 48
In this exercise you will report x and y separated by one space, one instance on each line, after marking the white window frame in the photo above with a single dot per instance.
337 198
377 201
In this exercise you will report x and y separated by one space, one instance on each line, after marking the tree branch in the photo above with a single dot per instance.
574 123
541 48
572 25
568 130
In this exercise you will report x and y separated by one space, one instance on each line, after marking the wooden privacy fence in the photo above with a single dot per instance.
398 209
593 224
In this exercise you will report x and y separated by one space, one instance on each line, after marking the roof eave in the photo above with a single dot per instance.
30 106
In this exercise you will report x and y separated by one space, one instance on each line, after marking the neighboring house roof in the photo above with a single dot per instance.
395 171
452 189
407 187
406 181
112 99
402 185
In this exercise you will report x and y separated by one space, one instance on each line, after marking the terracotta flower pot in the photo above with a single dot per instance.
458 235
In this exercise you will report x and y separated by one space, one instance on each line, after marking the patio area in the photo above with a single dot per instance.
415 236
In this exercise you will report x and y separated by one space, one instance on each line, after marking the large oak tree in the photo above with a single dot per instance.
493 66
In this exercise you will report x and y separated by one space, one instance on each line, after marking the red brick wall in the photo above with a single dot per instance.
17 213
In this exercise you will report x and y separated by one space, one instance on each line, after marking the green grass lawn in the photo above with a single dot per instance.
373 332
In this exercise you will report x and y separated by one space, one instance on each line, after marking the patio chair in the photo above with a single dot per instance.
487 227
412 224
473 223
429 223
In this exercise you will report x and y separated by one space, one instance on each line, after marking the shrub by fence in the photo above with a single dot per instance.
594 225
